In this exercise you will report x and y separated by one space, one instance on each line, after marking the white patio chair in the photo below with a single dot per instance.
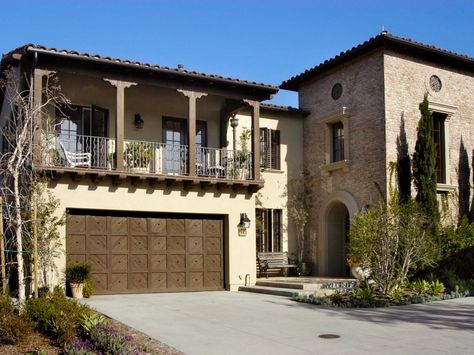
77 159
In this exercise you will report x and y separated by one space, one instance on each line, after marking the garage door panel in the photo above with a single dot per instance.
118 282
213 262
213 245
76 224
74 259
195 262
194 227
157 244
157 226
118 244
175 226
175 244
158 262
96 244
176 262
118 225
98 262
138 281
134 254
76 244
194 245
195 280
158 281
119 263
139 244
138 226
139 262
96 225
99 282
212 228
213 279
177 280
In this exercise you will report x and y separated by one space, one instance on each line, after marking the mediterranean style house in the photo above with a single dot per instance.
164 172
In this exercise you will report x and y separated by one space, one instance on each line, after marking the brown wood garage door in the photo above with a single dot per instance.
134 254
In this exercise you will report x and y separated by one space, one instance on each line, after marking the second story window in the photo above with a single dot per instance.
269 148
337 142
439 141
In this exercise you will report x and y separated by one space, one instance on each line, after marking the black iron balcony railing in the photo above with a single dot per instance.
79 151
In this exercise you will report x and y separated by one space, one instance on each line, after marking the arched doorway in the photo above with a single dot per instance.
338 223
335 216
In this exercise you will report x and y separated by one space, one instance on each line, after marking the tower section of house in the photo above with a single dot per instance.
364 112
156 198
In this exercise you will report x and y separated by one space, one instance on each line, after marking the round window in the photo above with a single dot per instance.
336 91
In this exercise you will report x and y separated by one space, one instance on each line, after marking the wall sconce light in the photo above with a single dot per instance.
138 121
244 221
243 225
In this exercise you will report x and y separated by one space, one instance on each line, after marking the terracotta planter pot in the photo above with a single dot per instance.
359 272
76 290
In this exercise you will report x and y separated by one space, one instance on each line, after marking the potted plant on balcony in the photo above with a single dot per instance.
76 276
241 157
110 161
138 156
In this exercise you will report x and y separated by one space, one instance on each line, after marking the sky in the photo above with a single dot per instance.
261 40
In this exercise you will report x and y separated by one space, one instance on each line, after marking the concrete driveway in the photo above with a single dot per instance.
245 323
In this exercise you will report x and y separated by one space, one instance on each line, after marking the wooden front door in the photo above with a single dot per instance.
148 254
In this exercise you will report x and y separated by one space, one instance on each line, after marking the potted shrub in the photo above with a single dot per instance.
76 276
138 156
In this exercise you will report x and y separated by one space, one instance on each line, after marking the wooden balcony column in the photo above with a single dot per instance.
38 75
255 143
119 119
192 97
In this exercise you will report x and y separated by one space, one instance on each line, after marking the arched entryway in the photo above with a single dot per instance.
336 213
338 223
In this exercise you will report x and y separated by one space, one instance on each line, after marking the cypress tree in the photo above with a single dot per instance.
424 166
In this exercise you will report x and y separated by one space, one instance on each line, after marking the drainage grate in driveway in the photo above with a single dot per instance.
329 336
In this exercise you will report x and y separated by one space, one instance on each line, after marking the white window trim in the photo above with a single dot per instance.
449 111
340 115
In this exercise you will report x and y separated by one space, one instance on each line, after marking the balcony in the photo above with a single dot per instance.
81 155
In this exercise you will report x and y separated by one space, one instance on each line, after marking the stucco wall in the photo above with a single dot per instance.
363 86
291 155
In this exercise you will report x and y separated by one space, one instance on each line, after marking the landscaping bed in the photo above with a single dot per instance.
55 324
366 296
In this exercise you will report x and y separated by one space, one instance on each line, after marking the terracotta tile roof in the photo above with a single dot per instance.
288 109
384 38
39 48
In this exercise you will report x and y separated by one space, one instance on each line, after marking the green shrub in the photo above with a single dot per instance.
397 294
107 340
14 326
421 286
437 287
87 291
91 320
78 273
56 316
364 292
43 291
456 239
393 241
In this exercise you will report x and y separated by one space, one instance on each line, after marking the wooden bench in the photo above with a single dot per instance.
272 261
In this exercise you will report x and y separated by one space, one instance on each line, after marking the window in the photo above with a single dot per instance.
337 142
438 134
269 148
269 230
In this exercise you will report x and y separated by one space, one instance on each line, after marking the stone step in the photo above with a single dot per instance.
285 292
280 284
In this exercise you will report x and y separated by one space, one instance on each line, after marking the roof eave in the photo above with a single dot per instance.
269 90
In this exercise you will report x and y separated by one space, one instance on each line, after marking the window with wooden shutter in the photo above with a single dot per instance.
269 148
